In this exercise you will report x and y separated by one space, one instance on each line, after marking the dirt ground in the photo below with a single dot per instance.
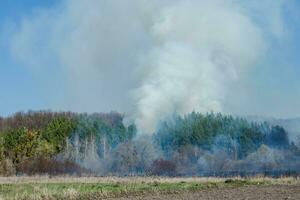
282 192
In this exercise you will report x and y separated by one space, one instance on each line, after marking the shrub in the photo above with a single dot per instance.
163 167
7 168
20 144
43 165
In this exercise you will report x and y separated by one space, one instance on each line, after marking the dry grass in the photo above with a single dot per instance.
45 187
138 179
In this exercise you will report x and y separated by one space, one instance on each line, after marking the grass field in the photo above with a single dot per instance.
131 187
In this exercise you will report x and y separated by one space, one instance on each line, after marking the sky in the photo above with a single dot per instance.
134 57
20 88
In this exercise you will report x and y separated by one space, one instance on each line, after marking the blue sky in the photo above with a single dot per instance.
271 88
13 10
21 90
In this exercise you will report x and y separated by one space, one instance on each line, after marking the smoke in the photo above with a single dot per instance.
129 157
145 58
203 46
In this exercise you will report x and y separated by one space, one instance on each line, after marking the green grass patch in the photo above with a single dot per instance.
75 190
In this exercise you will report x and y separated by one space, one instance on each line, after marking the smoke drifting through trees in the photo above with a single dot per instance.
196 144
146 58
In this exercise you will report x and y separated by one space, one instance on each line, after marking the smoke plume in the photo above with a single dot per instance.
146 58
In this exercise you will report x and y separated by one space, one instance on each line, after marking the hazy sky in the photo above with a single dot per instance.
50 56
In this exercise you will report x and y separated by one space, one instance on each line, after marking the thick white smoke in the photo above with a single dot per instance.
146 58
202 45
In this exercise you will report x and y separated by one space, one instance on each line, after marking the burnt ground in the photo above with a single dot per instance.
275 192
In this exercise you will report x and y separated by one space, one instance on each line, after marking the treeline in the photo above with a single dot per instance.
196 144
211 131
31 142
200 144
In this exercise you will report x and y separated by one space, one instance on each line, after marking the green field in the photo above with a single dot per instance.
101 188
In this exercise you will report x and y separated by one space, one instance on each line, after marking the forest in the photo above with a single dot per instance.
196 144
